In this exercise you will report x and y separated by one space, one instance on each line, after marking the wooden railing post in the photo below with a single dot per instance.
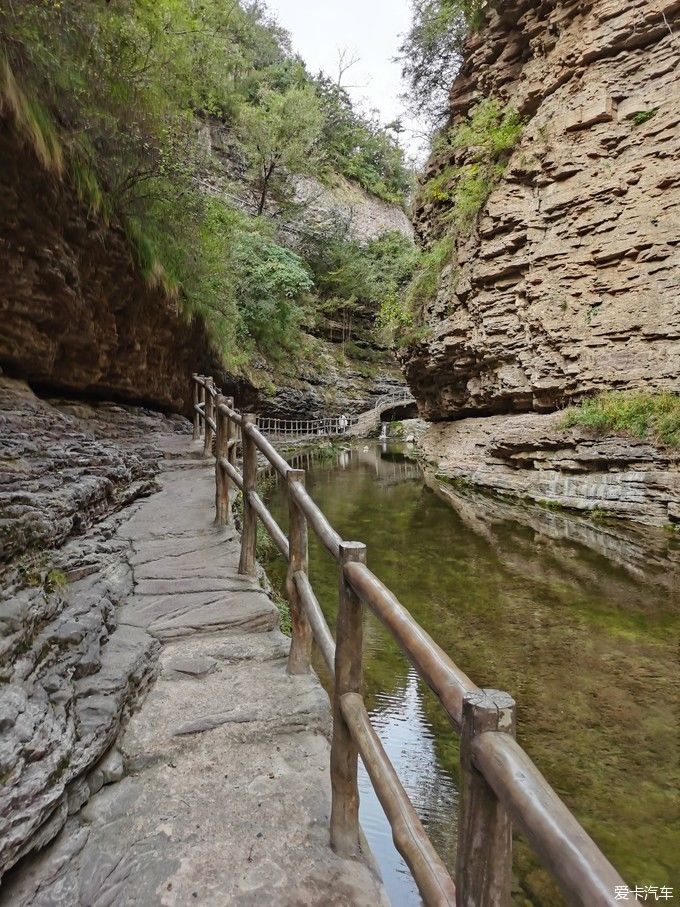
348 672
209 414
196 400
202 395
299 659
222 507
484 854
230 428
247 564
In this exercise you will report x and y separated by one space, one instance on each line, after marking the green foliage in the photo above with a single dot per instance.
123 87
369 280
432 262
271 283
359 147
31 120
643 415
56 581
280 133
432 50
642 116
490 132
484 143
485 140
400 316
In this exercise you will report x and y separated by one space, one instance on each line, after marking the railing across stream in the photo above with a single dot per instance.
500 787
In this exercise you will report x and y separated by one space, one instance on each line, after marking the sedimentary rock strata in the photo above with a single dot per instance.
71 671
570 283
75 311
531 456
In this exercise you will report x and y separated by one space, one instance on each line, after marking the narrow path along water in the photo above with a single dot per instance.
586 643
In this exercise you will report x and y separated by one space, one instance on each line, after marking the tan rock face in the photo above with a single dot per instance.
531 456
75 313
571 282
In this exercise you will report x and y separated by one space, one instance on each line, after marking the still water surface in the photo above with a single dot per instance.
578 622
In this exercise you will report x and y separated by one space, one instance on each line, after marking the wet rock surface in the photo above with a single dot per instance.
532 456
570 284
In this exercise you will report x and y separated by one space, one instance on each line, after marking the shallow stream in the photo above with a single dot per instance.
578 621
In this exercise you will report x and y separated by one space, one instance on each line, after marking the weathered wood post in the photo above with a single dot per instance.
484 854
221 451
196 400
247 564
202 396
230 428
209 414
300 656
348 674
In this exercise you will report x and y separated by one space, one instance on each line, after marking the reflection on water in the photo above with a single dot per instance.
579 622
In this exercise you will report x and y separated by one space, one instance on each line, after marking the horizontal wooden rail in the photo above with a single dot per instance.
322 634
233 473
277 534
317 520
410 838
230 413
500 784
263 445
432 663
563 846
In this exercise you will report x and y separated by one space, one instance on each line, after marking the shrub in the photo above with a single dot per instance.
486 138
643 415
484 141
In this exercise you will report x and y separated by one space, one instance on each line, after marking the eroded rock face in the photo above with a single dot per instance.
75 312
571 282
71 671
62 467
531 456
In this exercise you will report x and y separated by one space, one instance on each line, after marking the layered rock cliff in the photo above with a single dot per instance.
75 312
71 671
570 282
77 315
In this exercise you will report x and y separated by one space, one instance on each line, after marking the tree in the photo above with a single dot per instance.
281 134
432 51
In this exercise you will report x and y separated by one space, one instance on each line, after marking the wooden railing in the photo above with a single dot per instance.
500 787
300 428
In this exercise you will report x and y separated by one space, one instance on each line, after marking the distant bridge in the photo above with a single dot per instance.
336 426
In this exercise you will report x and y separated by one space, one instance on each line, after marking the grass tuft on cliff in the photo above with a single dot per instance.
33 123
476 151
655 417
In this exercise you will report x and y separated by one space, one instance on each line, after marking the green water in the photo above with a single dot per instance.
578 622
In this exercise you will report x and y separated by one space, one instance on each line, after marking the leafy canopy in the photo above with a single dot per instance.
124 88
431 53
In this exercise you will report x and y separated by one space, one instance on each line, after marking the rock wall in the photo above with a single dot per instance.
529 456
366 216
315 207
75 312
570 284
71 671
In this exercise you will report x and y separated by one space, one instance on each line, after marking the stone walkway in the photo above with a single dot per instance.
225 794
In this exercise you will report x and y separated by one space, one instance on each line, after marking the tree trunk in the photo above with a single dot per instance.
267 174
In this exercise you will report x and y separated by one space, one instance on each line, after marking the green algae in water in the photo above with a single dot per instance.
586 644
